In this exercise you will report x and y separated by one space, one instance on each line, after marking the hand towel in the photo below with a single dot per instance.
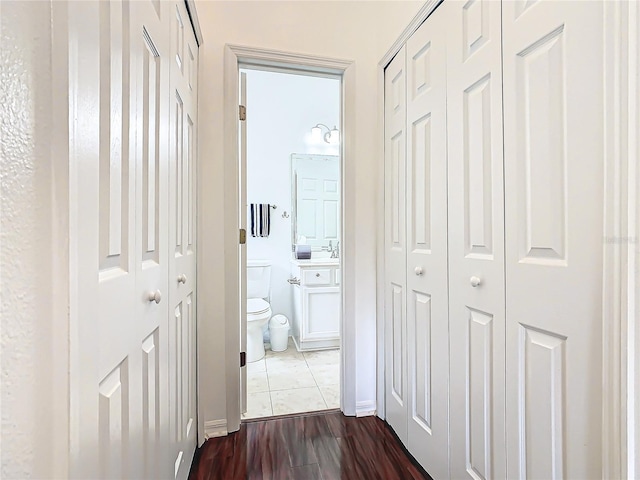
260 219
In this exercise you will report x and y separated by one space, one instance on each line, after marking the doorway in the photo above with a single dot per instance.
290 292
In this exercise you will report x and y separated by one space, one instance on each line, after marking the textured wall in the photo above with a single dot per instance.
27 250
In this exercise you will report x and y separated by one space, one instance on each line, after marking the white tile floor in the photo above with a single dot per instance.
293 382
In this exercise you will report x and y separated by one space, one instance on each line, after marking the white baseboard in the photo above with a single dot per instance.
366 409
215 428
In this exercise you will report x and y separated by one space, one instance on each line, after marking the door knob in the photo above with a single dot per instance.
475 281
418 270
154 296
318 275
182 278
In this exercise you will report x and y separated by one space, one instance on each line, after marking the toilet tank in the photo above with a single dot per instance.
258 278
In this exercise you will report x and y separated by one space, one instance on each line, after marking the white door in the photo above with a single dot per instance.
395 278
476 239
242 221
182 255
318 200
554 155
427 326
119 230
150 69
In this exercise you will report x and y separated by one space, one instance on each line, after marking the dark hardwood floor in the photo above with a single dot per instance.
316 446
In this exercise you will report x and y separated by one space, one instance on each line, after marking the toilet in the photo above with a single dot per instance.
258 307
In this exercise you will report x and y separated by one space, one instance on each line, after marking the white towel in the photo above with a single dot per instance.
260 219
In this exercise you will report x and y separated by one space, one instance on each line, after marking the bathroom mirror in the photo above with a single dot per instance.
315 190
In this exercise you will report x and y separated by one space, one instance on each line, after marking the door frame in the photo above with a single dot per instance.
234 56
621 234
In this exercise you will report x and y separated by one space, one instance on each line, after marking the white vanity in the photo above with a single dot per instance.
316 303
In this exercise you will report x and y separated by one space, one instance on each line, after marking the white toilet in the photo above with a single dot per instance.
258 308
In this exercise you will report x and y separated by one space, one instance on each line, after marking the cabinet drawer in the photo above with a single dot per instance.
316 276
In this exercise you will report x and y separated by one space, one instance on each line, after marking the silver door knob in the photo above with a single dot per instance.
418 270
182 278
154 296
475 281
318 275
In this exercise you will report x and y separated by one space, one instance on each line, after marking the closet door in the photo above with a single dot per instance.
476 239
426 263
118 76
182 256
554 155
150 71
396 390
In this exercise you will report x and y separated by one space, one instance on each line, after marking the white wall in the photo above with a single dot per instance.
33 246
358 31
282 109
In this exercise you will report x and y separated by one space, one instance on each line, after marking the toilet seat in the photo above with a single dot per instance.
257 306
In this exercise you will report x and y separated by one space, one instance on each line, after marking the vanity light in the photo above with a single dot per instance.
316 134
332 136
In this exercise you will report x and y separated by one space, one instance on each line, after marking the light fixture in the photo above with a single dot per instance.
332 136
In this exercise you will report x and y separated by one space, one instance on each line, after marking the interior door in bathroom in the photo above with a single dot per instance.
242 153
317 187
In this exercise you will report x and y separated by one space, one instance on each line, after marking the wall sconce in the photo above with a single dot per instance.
331 136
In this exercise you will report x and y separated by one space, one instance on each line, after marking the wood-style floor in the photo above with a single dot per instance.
318 446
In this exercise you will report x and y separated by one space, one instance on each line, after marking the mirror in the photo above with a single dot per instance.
315 190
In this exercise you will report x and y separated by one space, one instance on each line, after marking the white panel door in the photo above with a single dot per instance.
395 119
150 75
476 239
182 235
118 187
427 323
317 187
553 140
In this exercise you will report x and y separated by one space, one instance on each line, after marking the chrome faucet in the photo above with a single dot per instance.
335 253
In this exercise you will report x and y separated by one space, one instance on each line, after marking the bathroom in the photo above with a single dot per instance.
293 186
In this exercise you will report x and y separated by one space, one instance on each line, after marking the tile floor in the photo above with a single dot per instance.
293 382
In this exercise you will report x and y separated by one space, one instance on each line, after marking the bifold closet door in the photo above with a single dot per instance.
476 239
554 158
118 87
395 253
427 337
150 66
182 234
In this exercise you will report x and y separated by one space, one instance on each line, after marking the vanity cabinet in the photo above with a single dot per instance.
316 298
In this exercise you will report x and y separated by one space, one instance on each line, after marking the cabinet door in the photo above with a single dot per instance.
427 325
395 276
476 239
320 313
554 156
182 235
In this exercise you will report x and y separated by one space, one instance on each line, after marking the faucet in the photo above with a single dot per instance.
335 253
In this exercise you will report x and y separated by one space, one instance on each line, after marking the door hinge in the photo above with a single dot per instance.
243 236
243 113
243 359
